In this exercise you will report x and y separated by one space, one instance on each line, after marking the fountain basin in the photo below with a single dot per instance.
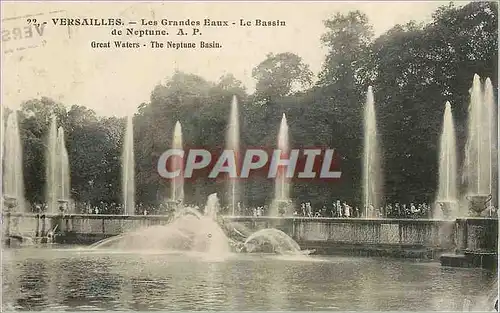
470 259
17 241
477 244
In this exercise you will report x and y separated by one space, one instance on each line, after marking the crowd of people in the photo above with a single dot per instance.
342 209
339 209
103 208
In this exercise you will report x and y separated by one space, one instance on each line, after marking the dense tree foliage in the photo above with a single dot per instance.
413 69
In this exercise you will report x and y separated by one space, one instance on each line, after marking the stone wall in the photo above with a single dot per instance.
419 238
326 235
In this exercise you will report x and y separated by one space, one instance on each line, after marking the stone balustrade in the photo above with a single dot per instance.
308 232
326 235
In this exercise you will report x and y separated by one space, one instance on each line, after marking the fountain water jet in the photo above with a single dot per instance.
490 104
62 172
272 240
281 202
13 184
372 174
51 167
128 170
58 191
447 197
177 183
213 206
478 152
188 231
233 144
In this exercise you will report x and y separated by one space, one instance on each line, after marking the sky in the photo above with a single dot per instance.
61 64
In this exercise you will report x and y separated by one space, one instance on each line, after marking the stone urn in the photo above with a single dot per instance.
478 203
63 206
9 202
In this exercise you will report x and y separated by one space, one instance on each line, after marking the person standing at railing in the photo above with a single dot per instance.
347 210
355 213
323 211
339 209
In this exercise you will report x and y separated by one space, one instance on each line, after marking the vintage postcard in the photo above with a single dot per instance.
249 156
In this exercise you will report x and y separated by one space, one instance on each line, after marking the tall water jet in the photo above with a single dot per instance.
128 170
372 174
233 144
13 184
281 203
478 151
490 104
51 167
62 171
177 183
447 197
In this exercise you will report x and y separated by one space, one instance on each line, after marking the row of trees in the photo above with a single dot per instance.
413 68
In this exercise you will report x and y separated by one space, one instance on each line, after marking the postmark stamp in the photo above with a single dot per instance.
26 32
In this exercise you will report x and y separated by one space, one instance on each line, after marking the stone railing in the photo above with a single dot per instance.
34 225
396 232
328 231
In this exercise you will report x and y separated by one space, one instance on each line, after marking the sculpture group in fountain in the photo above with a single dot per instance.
192 231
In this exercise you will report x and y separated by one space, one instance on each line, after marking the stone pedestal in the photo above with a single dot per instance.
477 204
482 234
11 238
9 204
57 222
477 244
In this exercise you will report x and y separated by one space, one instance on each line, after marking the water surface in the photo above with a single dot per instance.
69 278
